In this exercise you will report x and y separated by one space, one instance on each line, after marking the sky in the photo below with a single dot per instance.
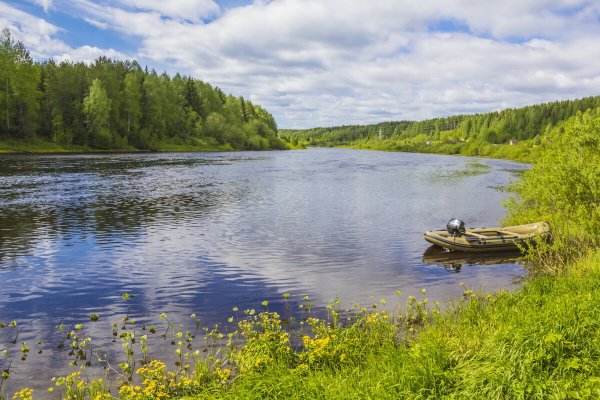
337 62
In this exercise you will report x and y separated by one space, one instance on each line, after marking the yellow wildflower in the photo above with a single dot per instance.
23 394
223 373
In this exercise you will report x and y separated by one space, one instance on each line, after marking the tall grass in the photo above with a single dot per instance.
540 342
563 188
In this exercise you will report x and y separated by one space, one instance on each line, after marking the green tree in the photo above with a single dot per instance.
59 134
563 187
132 94
7 66
19 91
192 97
215 126
96 107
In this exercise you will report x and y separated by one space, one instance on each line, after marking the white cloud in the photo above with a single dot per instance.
40 38
46 4
194 10
88 54
323 62
97 24
37 34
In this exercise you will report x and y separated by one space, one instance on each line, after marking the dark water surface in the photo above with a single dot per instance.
205 232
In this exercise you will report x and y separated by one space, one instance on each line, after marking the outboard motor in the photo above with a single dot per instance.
455 227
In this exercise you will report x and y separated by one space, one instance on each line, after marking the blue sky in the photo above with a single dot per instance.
330 62
77 32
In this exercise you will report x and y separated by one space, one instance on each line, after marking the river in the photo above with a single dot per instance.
205 232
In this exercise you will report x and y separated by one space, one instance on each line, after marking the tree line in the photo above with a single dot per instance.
113 104
514 124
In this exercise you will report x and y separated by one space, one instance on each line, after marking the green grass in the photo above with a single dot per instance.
174 147
37 146
540 342
524 151
8 146
42 146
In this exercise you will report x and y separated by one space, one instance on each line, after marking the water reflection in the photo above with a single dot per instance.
452 261
203 233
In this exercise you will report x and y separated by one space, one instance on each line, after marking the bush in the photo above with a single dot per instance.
563 188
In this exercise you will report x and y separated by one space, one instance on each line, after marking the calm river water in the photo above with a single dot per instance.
205 232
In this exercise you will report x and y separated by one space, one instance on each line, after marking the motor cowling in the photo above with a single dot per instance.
455 227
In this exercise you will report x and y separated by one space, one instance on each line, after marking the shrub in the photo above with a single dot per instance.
563 188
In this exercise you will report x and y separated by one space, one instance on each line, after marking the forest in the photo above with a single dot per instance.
512 133
118 105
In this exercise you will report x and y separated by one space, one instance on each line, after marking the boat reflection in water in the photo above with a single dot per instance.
453 260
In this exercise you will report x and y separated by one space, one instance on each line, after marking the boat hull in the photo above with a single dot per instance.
457 245
491 239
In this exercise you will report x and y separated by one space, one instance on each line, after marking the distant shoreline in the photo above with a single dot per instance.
23 147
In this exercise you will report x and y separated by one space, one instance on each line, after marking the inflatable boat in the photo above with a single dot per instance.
457 238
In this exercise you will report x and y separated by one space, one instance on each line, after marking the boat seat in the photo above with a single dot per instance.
504 234
477 235
509 233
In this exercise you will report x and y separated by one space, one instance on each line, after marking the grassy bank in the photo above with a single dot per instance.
41 146
525 151
540 342
37 146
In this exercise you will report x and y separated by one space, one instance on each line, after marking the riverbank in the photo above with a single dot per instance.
41 146
47 147
540 341
522 152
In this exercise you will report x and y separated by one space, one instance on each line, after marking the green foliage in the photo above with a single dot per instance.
112 104
132 97
37 146
267 342
563 188
19 94
540 342
96 108
512 133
